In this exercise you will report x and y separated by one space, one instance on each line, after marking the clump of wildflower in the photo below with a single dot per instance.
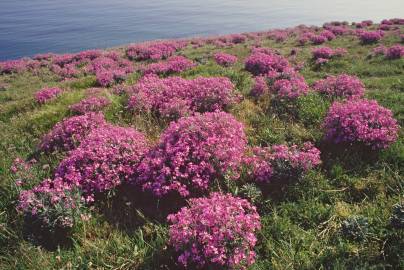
174 64
379 50
47 94
260 63
68 134
107 157
192 153
360 121
91 104
395 52
290 86
260 87
327 52
154 50
218 231
55 204
13 66
344 86
225 59
280 162
369 37
318 39
174 96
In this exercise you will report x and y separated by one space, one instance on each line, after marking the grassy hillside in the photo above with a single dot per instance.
309 223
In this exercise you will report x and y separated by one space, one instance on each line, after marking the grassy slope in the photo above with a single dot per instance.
301 227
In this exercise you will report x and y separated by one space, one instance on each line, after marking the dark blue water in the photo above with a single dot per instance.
28 27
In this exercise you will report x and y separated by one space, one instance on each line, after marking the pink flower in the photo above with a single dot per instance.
192 153
68 134
261 62
108 156
343 85
215 231
174 96
47 94
225 59
91 104
360 121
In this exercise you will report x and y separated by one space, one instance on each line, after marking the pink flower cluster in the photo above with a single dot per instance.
192 153
260 87
276 75
13 66
174 96
344 85
47 94
154 50
91 104
54 203
363 24
225 59
395 52
324 54
290 86
360 121
174 64
107 157
218 231
280 162
110 69
263 61
369 37
68 134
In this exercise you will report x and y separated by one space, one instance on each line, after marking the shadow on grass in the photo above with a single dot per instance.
130 207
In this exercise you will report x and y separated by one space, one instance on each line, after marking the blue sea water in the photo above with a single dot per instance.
28 27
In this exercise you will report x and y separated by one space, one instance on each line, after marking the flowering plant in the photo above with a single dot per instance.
106 158
360 121
192 153
215 231
68 134
174 96
47 94
225 59
91 104
343 85
282 162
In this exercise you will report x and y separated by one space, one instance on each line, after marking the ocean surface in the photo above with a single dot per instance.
28 27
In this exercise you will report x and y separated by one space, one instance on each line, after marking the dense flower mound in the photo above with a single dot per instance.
53 202
290 86
369 37
91 104
395 52
345 86
174 64
107 157
47 94
192 153
360 121
14 66
68 134
260 63
260 87
327 52
110 69
215 231
282 162
323 55
154 50
174 96
225 59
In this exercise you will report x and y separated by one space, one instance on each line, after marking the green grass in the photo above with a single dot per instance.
301 226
